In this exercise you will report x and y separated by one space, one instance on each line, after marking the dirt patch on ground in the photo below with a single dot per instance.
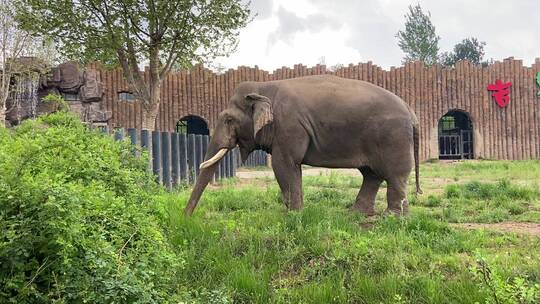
514 227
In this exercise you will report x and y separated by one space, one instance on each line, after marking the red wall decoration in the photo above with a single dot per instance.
501 92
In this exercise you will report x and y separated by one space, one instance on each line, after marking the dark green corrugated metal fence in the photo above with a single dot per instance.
175 157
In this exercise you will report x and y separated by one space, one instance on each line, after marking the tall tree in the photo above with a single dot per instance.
16 43
418 40
469 48
159 33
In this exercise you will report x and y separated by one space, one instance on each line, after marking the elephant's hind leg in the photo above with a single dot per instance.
365 200
397 196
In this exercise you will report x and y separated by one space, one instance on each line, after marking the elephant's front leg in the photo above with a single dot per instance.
289 178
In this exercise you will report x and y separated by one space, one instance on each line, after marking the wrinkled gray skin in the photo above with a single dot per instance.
324 121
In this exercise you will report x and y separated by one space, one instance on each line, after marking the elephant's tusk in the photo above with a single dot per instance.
214 159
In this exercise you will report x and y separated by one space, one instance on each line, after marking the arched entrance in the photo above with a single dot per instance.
192 125
456 136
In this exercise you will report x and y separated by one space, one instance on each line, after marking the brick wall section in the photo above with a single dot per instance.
509 133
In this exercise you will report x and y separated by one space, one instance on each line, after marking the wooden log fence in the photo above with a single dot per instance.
174 158
512 132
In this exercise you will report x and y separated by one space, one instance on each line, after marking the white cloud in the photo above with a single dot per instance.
349 31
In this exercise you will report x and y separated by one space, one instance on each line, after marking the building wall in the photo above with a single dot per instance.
512 132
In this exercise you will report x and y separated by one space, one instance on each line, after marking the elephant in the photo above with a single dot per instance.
323 121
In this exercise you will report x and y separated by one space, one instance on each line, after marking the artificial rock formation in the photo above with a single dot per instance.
82 89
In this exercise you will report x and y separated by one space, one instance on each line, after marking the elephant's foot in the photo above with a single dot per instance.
401 210
296 206
363 209
292 204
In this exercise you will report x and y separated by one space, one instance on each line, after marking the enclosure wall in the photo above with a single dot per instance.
512 132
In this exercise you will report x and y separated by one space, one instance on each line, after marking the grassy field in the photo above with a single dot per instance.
242 246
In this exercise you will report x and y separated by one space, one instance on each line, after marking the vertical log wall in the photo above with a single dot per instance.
509 133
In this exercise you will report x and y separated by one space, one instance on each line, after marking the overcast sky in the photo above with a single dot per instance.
286 32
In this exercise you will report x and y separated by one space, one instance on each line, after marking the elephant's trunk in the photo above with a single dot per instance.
206 174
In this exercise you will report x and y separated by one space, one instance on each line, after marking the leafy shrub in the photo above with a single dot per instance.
57 101
512 291
433 201
76 219
430 201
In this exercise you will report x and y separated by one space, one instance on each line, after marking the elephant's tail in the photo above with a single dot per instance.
416 158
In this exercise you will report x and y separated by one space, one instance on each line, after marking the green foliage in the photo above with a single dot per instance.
98 30
57 100
502 190
77 221
538 82
470 49
418 40
509 291
485 202
161 33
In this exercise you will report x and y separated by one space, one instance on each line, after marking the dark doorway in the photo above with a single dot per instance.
192 125
455 136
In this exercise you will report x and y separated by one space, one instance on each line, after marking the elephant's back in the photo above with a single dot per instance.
331 93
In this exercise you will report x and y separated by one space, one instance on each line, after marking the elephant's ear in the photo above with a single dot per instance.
262 118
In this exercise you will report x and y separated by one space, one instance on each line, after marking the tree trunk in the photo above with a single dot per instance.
3 115
146 89
151 106
149 115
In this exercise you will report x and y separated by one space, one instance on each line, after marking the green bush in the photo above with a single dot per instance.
502 190
512 291
77 223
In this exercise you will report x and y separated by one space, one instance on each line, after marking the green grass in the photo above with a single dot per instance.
242 245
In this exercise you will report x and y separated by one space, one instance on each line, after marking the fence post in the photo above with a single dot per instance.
205 141
183 157
145 139
145 145
118 134
227 166
156 155
234 164
198 153
175 159
221 169
231 167
132 133
166 158
104 129
191 157
204 146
